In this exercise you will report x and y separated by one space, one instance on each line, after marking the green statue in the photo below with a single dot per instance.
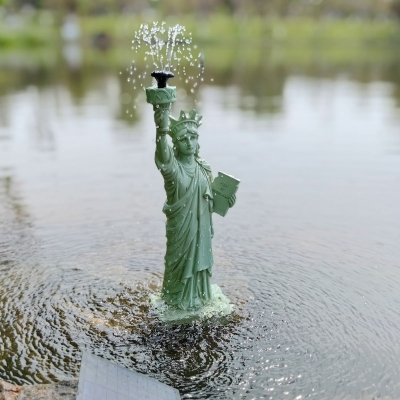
188 184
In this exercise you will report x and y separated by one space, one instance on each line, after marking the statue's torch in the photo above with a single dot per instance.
162 96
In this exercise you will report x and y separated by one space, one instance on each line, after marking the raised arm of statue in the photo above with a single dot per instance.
161 116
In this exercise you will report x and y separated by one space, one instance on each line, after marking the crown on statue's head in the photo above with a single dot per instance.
186 122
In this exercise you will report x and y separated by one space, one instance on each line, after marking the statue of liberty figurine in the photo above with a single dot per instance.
189 206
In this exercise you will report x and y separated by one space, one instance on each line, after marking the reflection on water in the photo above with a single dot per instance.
309 255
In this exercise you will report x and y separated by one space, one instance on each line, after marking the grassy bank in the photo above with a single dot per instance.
222 28
26 37
218 28
218 56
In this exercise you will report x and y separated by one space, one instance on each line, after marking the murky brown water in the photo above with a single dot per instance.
310 254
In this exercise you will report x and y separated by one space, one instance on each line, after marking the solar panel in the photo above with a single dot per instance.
100 379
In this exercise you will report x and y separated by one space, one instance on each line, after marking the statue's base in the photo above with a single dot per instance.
219 306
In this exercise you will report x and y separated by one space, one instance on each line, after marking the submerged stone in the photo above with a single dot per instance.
63 390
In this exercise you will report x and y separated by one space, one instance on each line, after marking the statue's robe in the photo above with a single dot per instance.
189 230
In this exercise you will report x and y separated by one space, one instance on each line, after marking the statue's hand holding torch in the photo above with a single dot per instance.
161 117
161 97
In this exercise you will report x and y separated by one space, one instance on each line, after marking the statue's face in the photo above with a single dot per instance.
186 143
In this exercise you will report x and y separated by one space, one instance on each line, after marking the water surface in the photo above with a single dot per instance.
309 255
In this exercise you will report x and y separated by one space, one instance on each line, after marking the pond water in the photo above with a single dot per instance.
309 255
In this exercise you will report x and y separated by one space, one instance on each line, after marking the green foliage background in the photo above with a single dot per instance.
289 22
282 8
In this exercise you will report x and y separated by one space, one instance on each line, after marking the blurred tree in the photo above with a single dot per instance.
86 6
281 8
395 7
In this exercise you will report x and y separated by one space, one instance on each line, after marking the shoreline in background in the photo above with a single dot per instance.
79 69
216 28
